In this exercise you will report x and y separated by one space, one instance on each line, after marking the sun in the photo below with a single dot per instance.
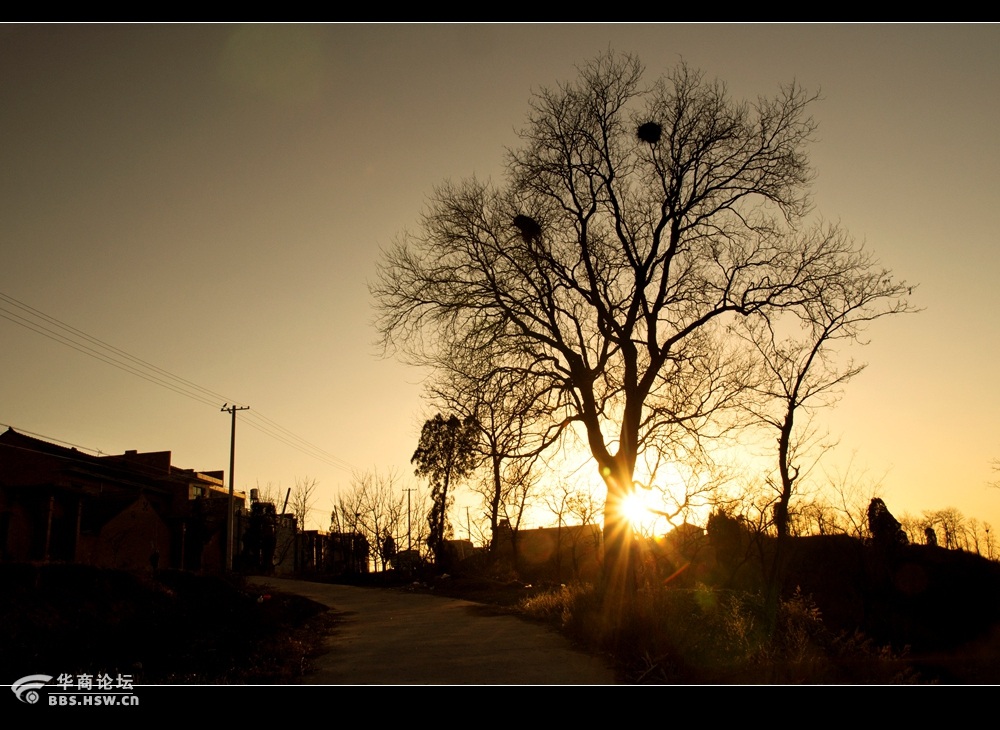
635 510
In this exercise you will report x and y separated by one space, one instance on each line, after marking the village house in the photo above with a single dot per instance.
130 511
566 552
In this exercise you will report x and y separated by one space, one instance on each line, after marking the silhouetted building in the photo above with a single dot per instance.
313 552
131 511
560 553
461 549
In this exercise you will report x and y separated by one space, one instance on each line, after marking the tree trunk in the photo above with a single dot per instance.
775 575
619 578
495 500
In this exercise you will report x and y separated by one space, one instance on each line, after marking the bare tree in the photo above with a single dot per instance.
519 496
274 494
303 496
692 487
557 499
833 503
506 406
989 541
752 510
951 527
635 222
798 350
283 536
957 532
574 509
375 509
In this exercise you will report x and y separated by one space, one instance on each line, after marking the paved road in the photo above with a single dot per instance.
395 637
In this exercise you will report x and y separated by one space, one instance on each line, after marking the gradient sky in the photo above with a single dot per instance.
213 198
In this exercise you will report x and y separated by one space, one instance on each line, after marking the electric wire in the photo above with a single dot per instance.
54 329
90 352
112 351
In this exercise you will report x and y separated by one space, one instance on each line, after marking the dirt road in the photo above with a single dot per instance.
395 637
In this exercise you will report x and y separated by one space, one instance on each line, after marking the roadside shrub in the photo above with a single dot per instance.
566 606
705 635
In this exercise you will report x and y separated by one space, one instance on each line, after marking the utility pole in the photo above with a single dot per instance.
232 481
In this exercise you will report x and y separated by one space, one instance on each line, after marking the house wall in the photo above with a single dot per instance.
128 541
58 504
570 552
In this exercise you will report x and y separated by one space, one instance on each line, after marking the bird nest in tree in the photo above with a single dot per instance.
649 132
528 226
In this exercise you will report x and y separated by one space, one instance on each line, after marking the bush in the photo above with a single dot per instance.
564 606
705 635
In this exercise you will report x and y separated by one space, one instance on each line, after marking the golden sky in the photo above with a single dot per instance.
213 198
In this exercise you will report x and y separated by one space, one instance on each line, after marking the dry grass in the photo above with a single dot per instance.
708 636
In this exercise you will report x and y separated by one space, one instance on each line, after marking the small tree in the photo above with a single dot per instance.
800 366
302 498
388 550
507 407
446 455
373 509
886 530
952 525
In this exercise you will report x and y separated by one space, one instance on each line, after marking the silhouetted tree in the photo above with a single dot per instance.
728 537
507 406
518 497
388 550
446 454
571 507
930 537
886 530
851 492
799 351
636 222
952 525
302 499
372 509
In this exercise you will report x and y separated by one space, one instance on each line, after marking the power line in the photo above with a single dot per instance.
282 434
48 326
90 352
105 352
78 447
